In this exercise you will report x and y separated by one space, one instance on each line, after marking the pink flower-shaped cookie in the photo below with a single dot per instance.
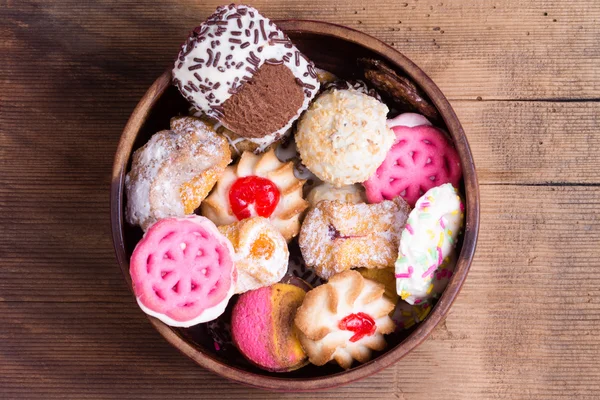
421 158
182 271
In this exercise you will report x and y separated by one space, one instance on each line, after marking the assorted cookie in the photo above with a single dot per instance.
337 236
306 192
242 70
427 242
261 252
344 320
182 271
258 185
421 158
343 137
262 327
172 173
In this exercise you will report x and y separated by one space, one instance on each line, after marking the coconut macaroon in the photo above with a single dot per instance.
343 137
239 68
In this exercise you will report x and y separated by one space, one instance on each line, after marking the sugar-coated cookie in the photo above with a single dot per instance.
428 240
182 271
337 236
261 252
344 320
174 171
343 137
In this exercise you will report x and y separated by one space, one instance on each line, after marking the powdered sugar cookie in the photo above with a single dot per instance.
172 173
337 236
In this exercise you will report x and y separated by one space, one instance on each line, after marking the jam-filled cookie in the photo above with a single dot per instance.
261 252
258 185
337 236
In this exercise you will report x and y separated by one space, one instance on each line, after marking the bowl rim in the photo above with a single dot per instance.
439 312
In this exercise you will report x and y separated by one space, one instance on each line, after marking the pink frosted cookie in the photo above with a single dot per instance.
421 158
262 326
182 271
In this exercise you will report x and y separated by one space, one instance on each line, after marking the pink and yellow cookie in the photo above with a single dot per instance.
421 158
262 326
344 320
258 185
182 271
427 244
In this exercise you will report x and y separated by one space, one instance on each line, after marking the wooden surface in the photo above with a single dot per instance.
523 76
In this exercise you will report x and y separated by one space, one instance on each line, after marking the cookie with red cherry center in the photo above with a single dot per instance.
258 186
421 158
182 271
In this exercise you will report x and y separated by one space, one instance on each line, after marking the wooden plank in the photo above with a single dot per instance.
522 142
494 50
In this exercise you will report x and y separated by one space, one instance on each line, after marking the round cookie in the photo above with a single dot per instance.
239 68
420 159
262 327
342 137
258 185
344 320
261 253
182 271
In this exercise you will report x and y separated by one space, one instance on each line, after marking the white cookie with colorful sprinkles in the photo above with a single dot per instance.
427 242
239 68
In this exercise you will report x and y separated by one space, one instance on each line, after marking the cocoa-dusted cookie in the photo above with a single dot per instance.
399 89
239 68
336 236
344 320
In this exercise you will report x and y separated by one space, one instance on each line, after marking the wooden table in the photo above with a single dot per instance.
524 78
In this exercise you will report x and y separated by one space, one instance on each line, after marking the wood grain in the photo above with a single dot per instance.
526 323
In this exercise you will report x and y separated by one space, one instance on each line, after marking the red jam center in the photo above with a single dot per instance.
251 196
361 324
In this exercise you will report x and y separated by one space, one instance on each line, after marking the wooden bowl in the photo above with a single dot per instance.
333 48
